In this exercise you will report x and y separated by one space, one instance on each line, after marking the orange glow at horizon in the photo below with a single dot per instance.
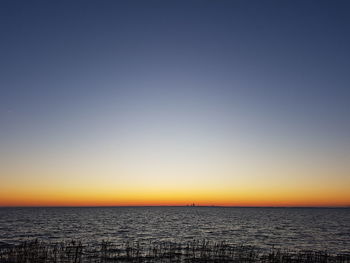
175 198
230 175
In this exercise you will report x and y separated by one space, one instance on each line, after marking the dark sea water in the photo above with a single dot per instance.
287 228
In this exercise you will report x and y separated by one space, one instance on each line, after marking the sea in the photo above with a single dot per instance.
326 229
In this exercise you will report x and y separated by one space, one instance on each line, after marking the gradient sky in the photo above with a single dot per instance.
174 102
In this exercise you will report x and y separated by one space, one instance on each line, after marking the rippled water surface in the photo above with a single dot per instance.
291 228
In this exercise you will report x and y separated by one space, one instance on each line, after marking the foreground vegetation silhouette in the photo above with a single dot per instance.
195 251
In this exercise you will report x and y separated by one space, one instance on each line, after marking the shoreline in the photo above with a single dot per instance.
76 251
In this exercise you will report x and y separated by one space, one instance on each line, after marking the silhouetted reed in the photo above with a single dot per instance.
195 251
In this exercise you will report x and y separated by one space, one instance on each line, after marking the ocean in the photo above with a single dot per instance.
287 228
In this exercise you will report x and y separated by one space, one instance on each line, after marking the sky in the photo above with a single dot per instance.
235 103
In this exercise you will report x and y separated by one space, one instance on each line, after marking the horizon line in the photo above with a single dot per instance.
190 206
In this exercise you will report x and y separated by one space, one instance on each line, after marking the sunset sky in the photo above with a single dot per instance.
238 103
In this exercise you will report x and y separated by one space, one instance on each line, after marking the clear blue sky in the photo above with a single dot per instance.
114 85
